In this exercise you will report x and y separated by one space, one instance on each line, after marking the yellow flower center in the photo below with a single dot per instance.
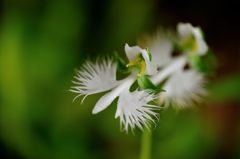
189 43
138 63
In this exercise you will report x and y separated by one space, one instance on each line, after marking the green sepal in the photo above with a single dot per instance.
145 83
206 63
195 61
209 63
140 57
176 46
149 54
121 64
202 32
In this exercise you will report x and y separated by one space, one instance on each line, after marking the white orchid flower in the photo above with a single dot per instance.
182 87
133 107
134 51
150 68
192 38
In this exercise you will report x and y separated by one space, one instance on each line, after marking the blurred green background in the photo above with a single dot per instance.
43 41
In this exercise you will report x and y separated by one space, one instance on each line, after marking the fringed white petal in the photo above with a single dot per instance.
134 109
183 89
161 48
95 77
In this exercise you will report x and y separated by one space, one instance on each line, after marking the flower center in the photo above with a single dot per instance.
189 44
139 64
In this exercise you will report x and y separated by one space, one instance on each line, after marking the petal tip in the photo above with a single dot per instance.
95 111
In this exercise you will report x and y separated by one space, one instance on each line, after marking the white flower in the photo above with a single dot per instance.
193 35
108 98
133 108
134 51
136 109
183 88
161 48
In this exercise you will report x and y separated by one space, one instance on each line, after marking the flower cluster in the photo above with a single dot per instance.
162 79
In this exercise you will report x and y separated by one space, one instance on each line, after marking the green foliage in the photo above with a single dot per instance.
226 89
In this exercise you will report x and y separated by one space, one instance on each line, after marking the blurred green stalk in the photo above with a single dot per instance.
146 145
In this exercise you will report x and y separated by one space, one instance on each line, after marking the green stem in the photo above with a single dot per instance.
146 145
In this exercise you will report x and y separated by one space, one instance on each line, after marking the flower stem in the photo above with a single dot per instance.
146 145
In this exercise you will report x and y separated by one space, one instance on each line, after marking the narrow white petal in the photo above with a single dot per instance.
106 100
134 111
109 97
177 63
202 47
183 88
95 77
151 68
201 44
184 29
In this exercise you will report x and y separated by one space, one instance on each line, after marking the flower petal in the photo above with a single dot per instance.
132 51
105 101
175 64
109 97
184 29
161 48
151 68
183 88
133 109
95 77
201 44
